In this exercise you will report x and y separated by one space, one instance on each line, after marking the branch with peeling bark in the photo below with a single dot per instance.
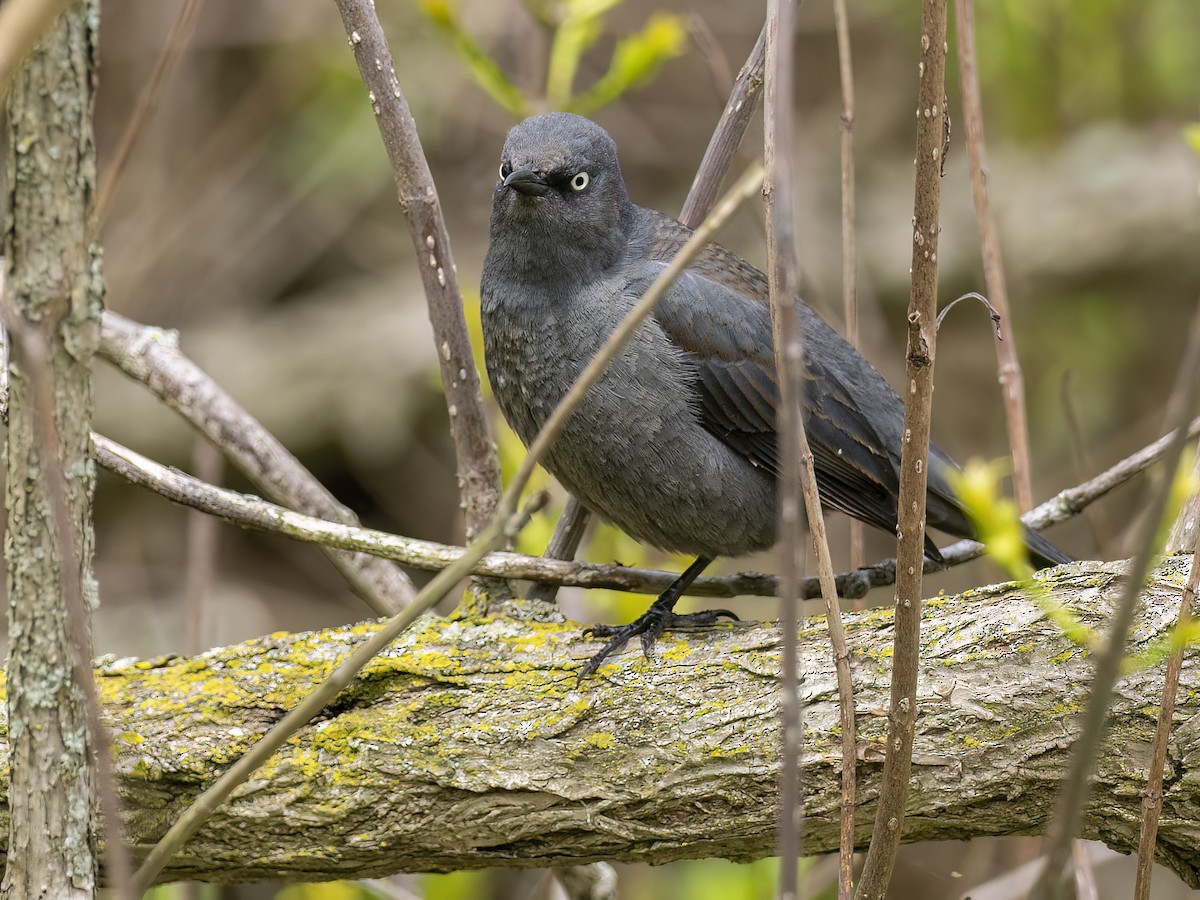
468 743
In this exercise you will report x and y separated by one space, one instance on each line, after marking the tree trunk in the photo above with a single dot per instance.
54 297
470 744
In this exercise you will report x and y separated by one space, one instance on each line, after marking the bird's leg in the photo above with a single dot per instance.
653 622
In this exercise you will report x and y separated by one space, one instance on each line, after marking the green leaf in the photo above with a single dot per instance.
581 26
485 71
635 59
995 517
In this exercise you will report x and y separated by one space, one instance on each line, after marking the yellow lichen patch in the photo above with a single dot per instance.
604 740
677 652
131 737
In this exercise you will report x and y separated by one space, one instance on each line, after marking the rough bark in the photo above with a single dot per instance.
54 297
470 744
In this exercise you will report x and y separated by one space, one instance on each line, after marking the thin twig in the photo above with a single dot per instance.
475 452
1152 796
841 661
190 821
152 356
992 314
1012 383
727 136
922 338
164 69
1074 794
849 243
252 512
782 279
718 157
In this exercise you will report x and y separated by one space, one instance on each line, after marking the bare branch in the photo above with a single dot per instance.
783 280
252 512
918 401
467 743
564 544
727 136
849 242
152 356
1012 383
478 466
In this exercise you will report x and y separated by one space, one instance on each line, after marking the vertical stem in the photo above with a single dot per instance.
727 136
781 274
1012 383
849 245
1152 797
478 465
932 140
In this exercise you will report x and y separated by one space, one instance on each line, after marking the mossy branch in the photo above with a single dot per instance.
468 744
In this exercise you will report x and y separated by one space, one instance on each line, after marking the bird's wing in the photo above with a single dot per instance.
727 337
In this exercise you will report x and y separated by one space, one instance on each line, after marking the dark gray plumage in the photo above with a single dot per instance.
676 444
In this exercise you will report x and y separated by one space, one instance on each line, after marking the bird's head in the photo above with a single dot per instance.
561 192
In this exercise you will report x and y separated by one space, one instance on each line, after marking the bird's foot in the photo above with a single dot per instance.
650 626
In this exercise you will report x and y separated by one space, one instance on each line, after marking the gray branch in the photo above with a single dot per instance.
470 744
152 356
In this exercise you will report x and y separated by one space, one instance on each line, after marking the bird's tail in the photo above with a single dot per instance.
1042 552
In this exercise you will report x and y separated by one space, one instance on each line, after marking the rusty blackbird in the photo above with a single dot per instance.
676 444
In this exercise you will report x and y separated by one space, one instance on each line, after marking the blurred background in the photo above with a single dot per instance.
257 216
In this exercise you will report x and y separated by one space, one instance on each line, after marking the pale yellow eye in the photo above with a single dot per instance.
580 181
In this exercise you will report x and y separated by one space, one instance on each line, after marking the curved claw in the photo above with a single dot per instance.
650 626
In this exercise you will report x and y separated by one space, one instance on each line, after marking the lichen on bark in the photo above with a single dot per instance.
53 295
470 743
